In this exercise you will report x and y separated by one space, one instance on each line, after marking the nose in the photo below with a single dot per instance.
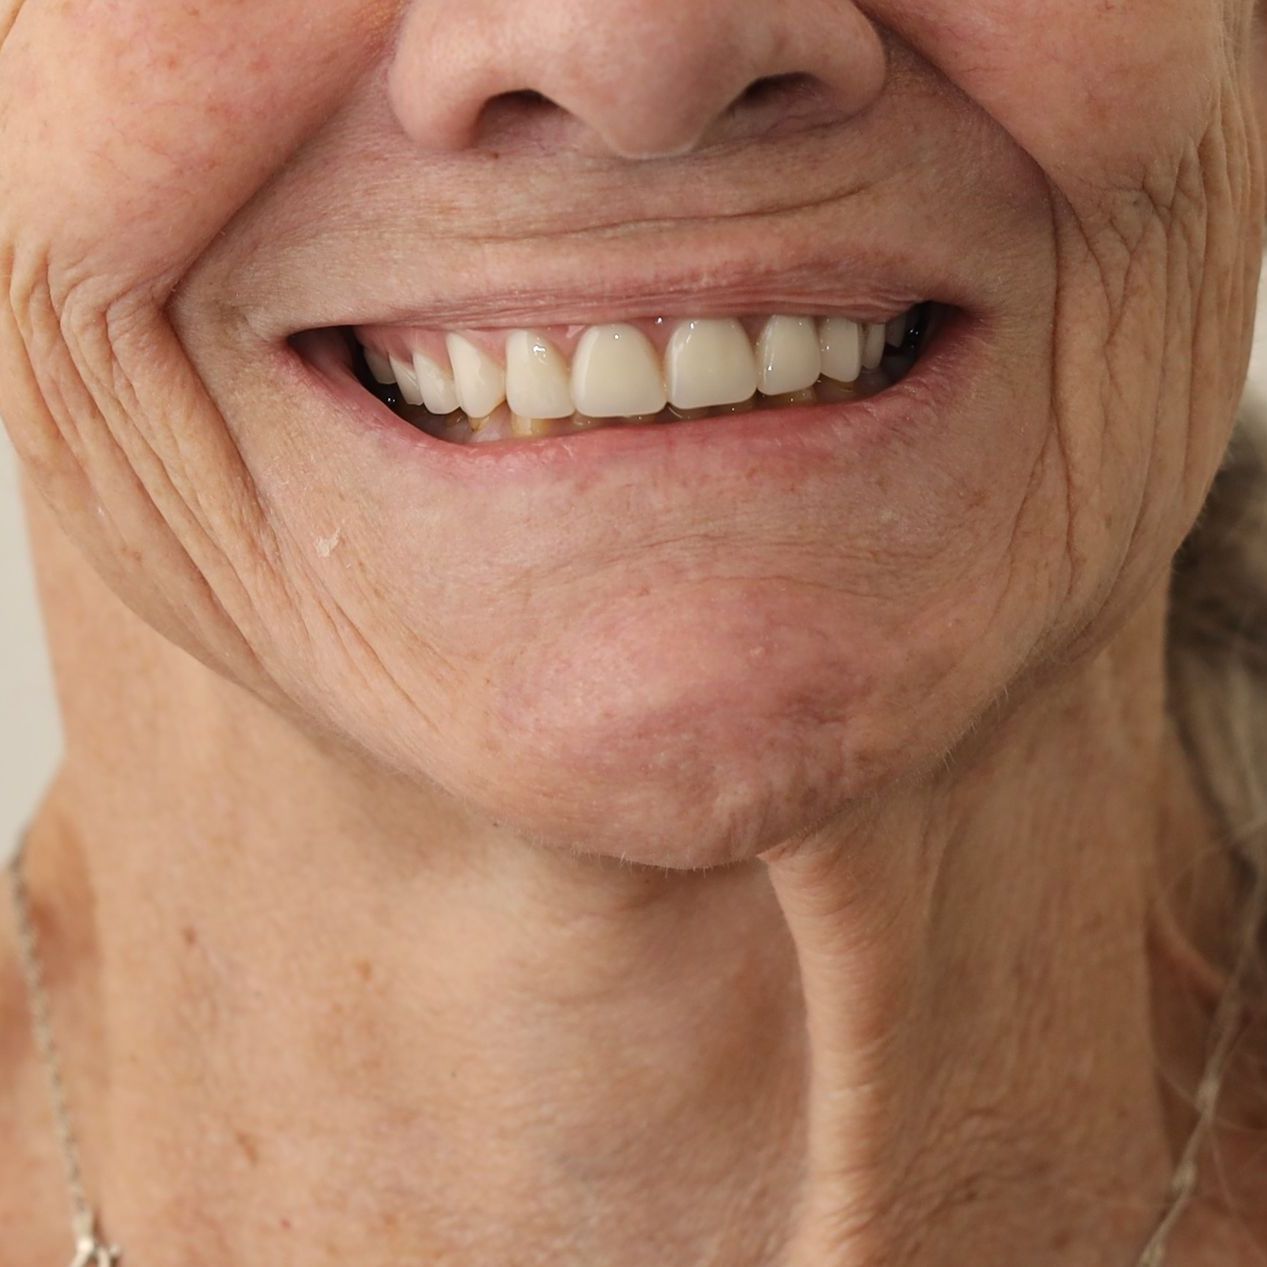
639 78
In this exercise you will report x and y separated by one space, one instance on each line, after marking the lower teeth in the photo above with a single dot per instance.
501 424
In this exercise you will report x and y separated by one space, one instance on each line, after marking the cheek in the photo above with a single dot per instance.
1092 90
1138 115
157 109
130 133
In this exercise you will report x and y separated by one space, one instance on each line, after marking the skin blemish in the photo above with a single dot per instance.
250 1149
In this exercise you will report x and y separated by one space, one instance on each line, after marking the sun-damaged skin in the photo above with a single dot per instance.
727 848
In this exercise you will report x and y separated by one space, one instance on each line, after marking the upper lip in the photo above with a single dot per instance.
865 285
869 251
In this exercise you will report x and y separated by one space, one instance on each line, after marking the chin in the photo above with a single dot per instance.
691 734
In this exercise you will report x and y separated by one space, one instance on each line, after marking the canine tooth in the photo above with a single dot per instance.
439 394
788 359
480 381
872 345
537 383
840 342
380 367
408 381
616 373
709 362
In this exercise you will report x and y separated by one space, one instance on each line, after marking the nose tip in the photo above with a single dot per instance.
641 79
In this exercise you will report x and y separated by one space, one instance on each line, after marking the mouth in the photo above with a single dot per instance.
532 384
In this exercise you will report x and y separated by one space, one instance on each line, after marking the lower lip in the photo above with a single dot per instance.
773 440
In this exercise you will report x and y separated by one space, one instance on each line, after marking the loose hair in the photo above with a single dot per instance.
1217 679
1217 652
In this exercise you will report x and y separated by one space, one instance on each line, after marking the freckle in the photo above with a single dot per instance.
189 935
248 1146
286 1224
365 969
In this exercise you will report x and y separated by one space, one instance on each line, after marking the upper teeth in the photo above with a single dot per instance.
616 370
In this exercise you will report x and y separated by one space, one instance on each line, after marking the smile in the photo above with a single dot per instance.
489 386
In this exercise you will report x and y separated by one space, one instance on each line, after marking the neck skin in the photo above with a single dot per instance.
308 1015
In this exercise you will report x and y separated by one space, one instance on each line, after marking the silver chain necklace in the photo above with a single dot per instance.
91 1250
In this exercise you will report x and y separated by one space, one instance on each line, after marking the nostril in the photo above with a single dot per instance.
774 86
511 116
522 96
785 101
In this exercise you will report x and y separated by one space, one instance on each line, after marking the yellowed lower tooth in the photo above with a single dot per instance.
829 389
521 426
478 424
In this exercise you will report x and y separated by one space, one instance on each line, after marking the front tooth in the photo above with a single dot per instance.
380 367
788 359
616 373
873 345
536 377
480 381
840 342
408 381
709 362
436 384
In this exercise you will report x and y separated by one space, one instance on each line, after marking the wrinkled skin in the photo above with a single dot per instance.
746 670
1095 168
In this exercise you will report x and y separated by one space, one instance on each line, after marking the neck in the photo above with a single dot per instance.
316 1008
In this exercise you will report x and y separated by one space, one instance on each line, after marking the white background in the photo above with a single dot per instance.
30 734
